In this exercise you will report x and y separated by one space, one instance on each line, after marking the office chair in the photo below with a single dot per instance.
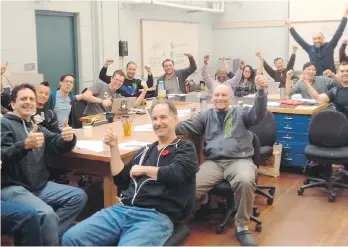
224 189
328 144
266 132
181 230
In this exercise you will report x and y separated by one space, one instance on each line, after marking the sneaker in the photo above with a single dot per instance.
245 238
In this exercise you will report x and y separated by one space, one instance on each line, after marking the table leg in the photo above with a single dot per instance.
110 192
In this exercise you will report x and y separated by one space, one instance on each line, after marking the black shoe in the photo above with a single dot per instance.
245 238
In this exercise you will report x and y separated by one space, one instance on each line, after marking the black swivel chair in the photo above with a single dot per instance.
181 231
224 190
328 144
266 132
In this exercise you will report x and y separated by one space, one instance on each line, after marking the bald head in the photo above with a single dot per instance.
222 97
318 39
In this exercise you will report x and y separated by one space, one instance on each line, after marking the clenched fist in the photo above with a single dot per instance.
35 139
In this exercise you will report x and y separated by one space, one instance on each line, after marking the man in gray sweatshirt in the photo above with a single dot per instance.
228 150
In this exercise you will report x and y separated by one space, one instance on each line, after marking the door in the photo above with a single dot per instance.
56 46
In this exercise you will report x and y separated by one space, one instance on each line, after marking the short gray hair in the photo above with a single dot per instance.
170 104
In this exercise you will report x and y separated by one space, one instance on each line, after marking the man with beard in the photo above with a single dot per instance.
221 76
131 86
279 75
174 81
321 53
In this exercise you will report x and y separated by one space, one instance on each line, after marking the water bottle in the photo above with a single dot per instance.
203 103
161 91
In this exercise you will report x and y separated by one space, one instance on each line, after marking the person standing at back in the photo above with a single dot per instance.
321 53
174 80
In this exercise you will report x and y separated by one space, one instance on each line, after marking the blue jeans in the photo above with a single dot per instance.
22 221
124 225
58 206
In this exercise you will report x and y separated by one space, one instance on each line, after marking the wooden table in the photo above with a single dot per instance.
96 163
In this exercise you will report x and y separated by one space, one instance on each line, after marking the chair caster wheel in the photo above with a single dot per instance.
256 212
271 191
219 229
269 201
258 227
300 192
331 198
306 182
81 182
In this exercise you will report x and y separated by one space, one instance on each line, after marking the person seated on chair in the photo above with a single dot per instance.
61 100
221 76
321 83
24 176
279 75
131 85
43 116
337 95
100 95
228 150
21 221
48 118
155 187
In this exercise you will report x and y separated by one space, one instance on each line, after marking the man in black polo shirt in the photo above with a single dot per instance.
131 86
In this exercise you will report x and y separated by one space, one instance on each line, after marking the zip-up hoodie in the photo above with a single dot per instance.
234 140
176 177
26 167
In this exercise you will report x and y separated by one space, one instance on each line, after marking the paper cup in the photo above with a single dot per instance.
87 131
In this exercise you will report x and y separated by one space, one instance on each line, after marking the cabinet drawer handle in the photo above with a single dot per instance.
287 148
288 128
289 159
287 137
288 118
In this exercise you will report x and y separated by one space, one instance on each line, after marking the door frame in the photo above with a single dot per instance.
76 41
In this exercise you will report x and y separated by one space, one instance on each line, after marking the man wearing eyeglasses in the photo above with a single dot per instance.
61 100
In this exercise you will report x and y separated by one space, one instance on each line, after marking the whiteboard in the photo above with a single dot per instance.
316 10
167 39
306 30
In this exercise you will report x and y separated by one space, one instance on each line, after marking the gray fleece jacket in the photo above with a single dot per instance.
234 141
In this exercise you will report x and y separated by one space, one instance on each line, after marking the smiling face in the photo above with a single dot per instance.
221 75
318 39
222 97
164 121
309 73
24 105
131 69
168 67
116 82
342 73
279 64
42 94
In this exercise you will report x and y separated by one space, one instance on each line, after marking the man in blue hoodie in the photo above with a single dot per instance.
228 150
24 176
321 53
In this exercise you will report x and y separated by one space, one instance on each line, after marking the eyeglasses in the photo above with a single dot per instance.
69 82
